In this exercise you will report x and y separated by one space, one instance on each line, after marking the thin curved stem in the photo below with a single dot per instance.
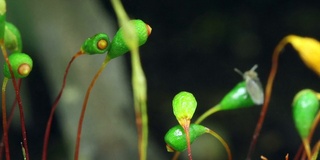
313 128
206 114
13 107
315 151
4 119
307 148
217 136
268 90
176 155
23 152
300 152
139 82
185 124
224 143
140 103
54 106
84 106
18 97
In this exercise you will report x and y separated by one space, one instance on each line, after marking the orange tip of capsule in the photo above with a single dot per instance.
102 44
149 29
24 69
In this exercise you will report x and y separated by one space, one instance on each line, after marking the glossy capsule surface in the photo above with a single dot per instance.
175 138
238 97
184 105
305 108
118 45
97 44
21 65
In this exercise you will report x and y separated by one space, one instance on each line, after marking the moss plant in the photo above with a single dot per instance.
309 51
18 65
132 34
97 44
184 106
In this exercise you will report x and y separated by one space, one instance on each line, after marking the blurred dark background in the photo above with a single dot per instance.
195 46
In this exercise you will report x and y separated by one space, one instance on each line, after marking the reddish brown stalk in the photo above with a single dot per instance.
185 124
84 106
13 107
301 153
224 143
54 106
315 150
186 130
313 128
9 121
139 131
176 155
268 90
18 97
4 119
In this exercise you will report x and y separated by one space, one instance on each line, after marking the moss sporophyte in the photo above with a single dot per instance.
21 64
132 34
97 44
175 138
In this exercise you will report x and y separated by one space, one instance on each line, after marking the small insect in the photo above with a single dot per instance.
253 84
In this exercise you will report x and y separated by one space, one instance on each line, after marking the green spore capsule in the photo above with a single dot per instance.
118 45
12 38
184 105
21 65
238 97
175 138
305 107
97 44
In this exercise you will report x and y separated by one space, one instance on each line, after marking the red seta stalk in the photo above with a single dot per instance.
18 97
54 106
185 124
84 106
268 90
13 107
186 129
4 119
300 153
